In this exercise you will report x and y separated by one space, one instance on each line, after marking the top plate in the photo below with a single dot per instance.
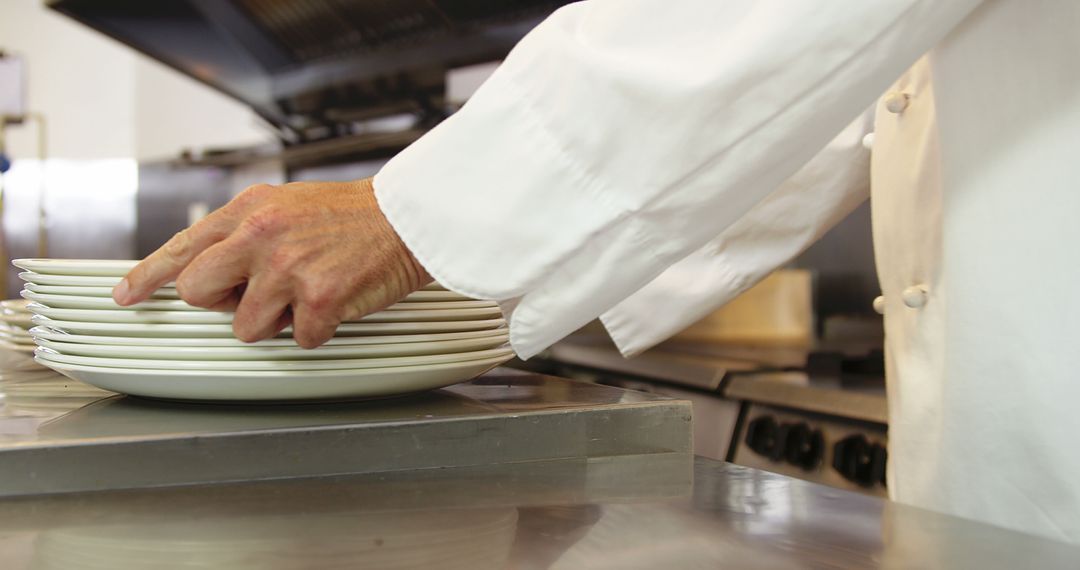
106 303
169 293
116 268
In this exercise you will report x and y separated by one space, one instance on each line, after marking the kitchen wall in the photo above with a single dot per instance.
103 100
107 108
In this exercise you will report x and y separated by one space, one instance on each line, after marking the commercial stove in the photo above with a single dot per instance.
816 413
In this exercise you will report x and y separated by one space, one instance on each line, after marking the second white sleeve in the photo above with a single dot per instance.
780 227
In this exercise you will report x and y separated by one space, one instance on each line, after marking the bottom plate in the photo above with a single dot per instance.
277 386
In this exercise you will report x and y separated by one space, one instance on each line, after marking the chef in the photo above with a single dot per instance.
645 161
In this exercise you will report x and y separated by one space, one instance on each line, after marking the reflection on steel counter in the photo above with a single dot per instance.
631 512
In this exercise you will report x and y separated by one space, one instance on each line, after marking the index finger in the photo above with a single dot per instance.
170 259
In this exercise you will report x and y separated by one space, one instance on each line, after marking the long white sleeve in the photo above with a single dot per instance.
772 233
620 136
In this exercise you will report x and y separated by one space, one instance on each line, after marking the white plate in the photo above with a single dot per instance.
277 386
87 302
225 330
97 303
165 293
75 280
208 353
13 306
46 334
95 272
212 317
14 332
132 316
271 365
96 267
169 293
18 340
18 321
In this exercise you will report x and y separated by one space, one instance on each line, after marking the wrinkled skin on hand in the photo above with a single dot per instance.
312 254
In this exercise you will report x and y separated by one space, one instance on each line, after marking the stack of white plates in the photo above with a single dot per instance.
165 348
14 322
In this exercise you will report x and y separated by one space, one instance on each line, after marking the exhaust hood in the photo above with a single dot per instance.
313 67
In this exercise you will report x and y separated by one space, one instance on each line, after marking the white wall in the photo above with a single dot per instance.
83 84
103 100
174 112
106 107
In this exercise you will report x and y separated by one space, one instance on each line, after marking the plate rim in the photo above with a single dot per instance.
275 342
267 366
281 374
479 324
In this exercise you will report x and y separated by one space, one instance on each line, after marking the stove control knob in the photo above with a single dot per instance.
852 458
804 447
779 448
761 435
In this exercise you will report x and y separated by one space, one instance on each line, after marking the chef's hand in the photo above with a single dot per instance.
310 253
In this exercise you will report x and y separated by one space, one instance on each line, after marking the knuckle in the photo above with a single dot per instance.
179 246
322 299
254 193
266 222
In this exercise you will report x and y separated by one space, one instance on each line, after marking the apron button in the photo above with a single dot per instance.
868 141
915 296
879 305
896 102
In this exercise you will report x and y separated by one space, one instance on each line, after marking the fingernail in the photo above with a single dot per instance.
120 292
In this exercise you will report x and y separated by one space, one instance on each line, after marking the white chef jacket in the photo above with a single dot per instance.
645 161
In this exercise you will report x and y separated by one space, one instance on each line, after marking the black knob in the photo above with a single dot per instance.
803 446
860 461
851 458
761 435
779 448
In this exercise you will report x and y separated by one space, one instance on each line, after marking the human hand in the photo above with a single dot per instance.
310 253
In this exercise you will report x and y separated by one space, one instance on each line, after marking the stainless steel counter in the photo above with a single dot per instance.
62 436
628 512
621 493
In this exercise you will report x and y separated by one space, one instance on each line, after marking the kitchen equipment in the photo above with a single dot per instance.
315 70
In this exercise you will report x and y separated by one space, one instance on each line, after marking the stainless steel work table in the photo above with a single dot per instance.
613 497
107 442
647 512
